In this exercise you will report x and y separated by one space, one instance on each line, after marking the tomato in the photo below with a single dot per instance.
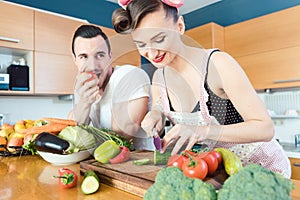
211 161
195 167
177 160
123 156
92 77
217 155
191 153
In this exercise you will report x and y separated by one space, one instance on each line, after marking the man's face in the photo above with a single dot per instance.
92 55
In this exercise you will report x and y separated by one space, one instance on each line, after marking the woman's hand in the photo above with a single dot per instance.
153 122
184 135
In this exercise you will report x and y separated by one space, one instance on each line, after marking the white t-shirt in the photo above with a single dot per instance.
126 83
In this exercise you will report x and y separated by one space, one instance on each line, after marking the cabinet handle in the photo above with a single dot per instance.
9 39
297 164
287 80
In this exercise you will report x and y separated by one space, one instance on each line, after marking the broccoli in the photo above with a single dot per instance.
171 183
256 182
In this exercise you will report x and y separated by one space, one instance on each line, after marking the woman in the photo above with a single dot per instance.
204 93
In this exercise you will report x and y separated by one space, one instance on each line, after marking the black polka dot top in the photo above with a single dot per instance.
222 109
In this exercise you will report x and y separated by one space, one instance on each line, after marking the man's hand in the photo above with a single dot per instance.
87 87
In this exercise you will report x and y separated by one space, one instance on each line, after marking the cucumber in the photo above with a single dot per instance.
144 161
90 183
231 161
161 158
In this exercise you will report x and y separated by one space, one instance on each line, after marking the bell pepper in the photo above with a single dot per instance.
67 178
106 151
122 156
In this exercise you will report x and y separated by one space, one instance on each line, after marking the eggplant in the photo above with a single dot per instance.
48 142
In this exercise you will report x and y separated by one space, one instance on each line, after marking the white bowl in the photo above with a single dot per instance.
66 159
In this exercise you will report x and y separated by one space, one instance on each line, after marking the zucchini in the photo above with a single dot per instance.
90 183
144 161
161 158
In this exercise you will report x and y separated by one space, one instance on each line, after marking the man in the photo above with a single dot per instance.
115 98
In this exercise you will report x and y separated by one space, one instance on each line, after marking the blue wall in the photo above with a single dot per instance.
225 13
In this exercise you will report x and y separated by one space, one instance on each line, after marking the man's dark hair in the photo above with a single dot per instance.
89 31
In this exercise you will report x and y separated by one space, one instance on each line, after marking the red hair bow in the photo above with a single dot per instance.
173 3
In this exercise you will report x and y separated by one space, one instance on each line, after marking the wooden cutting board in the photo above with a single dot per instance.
136 179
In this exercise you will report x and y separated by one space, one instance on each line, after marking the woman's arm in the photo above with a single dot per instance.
257 125
227 79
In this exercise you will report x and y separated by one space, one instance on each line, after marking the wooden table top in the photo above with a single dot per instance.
30 177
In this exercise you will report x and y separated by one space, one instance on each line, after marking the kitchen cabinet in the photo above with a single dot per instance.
267 48
53 33
55 70
210 35
16 40
45 41
295 163
273 69
123 49
16 24
54 74
274 31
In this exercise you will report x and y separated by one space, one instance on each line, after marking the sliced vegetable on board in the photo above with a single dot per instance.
90 183
161 158
143 161
67 178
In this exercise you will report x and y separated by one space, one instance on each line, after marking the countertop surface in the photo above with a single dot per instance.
30 177
291 150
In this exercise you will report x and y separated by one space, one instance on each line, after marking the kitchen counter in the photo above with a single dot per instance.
31 177
291 150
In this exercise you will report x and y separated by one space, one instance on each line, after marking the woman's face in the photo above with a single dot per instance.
158 38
